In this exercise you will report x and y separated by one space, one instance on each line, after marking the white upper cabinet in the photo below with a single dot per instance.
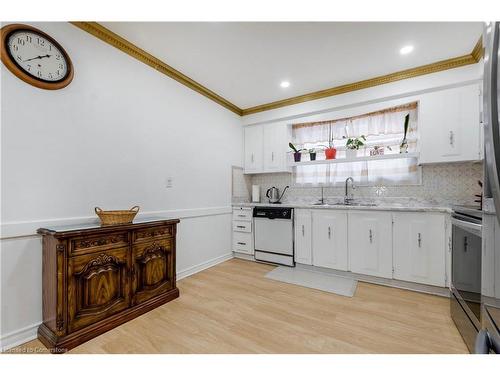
303 236
420 248
266 148
254 146
370 243
329 239
449 125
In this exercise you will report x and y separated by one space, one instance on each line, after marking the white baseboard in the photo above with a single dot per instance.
203 266
244 256
23 335
13 339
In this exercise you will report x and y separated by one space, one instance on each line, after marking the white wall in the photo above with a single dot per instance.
111 138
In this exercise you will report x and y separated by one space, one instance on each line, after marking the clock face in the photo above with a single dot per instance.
37 56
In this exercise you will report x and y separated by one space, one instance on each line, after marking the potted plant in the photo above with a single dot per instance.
312 154
330 150
352 146
296 153
403 147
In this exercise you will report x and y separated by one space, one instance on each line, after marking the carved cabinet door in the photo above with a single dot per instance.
153 269
98 286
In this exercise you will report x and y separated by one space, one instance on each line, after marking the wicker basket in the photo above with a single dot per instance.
117 216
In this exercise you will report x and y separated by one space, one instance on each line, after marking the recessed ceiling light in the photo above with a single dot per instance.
406 50
285 84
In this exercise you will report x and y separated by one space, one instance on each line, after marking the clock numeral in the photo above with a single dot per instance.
40 42
19 58
58 73
15 47
20 41
50 76
39 74
58 57
61 66
28 39
28 67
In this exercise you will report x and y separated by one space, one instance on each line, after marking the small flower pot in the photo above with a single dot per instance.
312 156
330 153
296 156
351 154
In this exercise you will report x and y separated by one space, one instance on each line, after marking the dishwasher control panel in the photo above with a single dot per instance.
273 212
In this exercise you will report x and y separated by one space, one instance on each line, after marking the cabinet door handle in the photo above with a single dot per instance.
419 240
452 138
241 243
241 215
371 236
240 226
466 244
329 233
252 158
272 156
303 230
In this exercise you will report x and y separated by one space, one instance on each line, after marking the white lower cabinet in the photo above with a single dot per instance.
370 243
303 238
420 248
407 246
329 239
242 237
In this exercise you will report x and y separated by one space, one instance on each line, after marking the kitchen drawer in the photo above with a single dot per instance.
242 214
242 226
242 242
152 233
89 244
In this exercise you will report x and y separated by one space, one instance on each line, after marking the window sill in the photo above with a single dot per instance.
355 160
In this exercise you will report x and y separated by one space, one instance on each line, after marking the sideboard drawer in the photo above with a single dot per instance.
89 244
153 233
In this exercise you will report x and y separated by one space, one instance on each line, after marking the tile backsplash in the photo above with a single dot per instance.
453 183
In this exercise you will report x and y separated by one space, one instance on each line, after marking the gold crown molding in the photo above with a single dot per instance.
131 49
478 50
452 63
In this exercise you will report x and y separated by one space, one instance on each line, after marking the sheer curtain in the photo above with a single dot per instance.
382 128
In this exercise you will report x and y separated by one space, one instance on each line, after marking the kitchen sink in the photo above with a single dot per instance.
356 204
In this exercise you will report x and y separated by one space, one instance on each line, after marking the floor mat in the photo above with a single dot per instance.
315 280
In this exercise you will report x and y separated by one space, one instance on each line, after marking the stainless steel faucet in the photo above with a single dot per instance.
322 200
348 197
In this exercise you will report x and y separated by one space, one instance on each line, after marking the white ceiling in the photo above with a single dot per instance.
245 62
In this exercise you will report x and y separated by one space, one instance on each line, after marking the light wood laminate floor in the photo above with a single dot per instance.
233 308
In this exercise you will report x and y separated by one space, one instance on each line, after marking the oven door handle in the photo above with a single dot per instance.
471 227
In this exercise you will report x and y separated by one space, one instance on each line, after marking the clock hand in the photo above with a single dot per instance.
38 57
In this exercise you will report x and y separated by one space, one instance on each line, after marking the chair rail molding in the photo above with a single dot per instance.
16 229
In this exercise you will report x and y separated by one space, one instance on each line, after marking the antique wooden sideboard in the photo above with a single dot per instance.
98 277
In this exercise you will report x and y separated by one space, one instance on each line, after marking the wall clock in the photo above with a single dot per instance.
35 57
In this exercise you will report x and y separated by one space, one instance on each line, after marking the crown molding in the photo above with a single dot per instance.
455 62
131 49
478 51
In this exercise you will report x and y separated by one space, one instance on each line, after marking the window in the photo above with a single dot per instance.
384 129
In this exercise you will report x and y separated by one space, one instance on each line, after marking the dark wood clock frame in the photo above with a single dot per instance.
11 64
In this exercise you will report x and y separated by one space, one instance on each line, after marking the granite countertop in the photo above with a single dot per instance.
411 206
